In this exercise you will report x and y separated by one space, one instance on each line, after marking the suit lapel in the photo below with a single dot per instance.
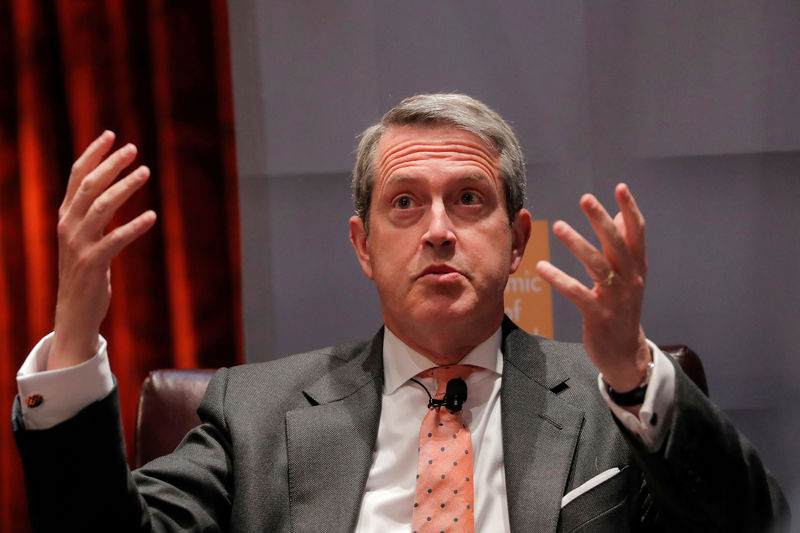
540 432
330 443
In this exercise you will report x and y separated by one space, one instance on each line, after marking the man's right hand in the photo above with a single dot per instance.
85 252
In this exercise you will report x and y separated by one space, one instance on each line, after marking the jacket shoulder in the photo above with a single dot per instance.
321 359
279 384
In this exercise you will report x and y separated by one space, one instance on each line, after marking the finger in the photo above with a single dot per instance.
593 260
87 161
614 247
116 241
103 208
98 179
619 223
572 289
633 221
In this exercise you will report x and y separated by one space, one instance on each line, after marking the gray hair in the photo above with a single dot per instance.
453 109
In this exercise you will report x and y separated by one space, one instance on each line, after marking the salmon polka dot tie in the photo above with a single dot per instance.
443 500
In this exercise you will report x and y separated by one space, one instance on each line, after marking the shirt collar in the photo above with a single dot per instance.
401 363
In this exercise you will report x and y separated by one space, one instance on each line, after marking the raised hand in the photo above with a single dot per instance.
612 309
85 252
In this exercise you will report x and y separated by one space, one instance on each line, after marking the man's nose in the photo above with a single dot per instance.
440 228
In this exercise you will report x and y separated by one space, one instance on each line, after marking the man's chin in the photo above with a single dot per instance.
446 316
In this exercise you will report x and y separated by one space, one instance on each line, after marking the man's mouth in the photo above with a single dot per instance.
440 273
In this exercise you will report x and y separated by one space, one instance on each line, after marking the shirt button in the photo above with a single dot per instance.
34 400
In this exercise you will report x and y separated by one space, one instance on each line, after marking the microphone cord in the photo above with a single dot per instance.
431 401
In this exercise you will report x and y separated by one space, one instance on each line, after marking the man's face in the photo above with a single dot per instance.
440 246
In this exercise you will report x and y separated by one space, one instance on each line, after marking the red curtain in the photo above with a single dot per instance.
158 74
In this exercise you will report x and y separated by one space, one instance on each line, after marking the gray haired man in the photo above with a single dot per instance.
605 436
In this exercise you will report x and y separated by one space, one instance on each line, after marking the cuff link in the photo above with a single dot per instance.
34 400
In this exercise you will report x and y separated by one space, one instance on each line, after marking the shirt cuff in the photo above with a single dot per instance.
652 424
49 397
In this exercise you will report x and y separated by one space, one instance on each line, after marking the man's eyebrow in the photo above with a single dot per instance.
402 178
474 176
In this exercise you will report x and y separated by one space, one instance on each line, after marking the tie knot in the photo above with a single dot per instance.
443 374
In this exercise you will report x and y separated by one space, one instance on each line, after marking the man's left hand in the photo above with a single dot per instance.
612 309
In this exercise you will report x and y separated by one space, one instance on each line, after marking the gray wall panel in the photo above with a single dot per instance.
320 295
683 78
693 103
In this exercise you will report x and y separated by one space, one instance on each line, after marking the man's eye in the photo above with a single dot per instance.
404 202
469 198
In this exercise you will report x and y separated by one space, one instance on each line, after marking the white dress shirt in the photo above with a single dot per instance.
388 500
387 505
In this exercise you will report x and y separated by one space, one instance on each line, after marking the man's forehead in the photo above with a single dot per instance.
401 145
433 134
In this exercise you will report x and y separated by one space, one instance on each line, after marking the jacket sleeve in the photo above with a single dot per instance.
77 478
707 476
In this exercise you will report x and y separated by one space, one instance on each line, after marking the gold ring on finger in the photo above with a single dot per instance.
605 283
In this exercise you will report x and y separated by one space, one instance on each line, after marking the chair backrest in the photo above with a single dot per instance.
167 410
169 398
689 362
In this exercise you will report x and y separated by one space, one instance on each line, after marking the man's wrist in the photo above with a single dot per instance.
649 421
67 351
629 376
634 396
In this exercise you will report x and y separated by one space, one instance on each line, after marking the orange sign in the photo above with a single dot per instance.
528 299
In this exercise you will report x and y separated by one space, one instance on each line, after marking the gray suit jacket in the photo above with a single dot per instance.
287 446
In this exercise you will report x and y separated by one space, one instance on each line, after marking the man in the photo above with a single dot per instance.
332 440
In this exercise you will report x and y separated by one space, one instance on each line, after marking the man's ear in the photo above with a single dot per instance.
358 238
520 233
